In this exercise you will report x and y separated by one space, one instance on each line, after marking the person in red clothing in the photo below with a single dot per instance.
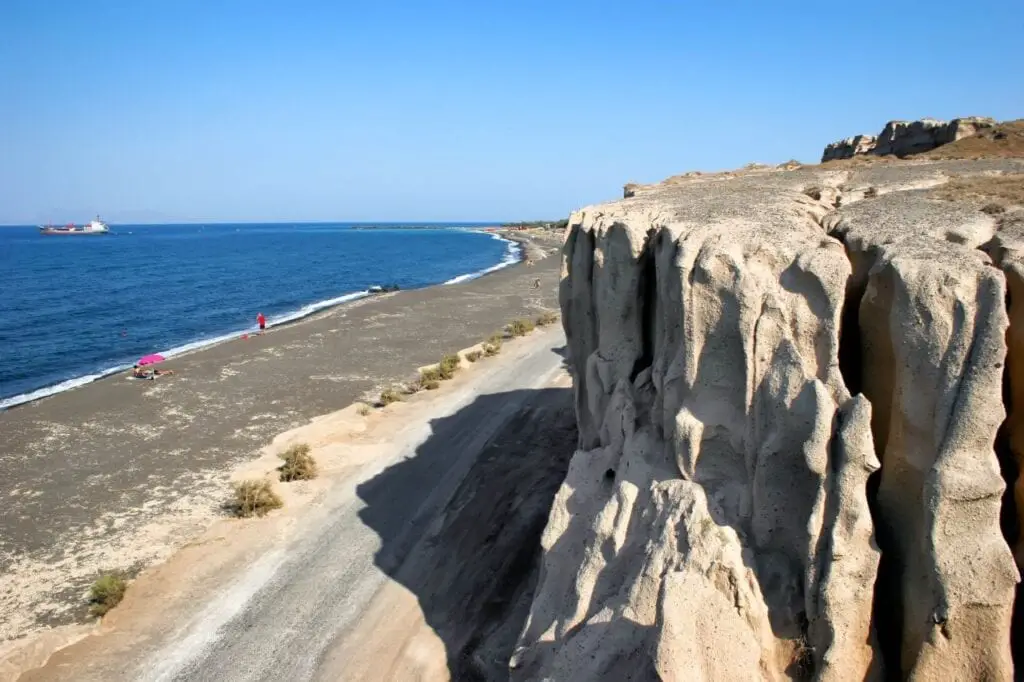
261 321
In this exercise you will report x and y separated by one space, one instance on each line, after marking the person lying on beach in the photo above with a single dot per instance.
141 372
162 372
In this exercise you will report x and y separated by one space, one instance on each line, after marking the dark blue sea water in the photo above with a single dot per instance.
73 308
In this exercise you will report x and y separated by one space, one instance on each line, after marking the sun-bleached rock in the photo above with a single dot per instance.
849 147
708 397
903 138
717 521
932 329
1007 249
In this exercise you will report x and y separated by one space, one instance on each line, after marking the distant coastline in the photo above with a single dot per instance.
301 309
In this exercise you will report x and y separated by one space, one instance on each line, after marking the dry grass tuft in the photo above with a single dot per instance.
448 366
298 465
520 327
547 317
390 395
492 346
255 497
871 192
993 208
364 410
474 355
106 593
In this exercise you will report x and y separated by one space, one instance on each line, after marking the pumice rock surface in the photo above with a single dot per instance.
796 396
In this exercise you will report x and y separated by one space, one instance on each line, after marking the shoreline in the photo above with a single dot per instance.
115 475
515 254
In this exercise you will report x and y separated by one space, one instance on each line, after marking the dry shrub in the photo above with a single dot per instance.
390 395
813 192
106 593
363 410
298 465
448 366
492 346
993 208
474 355
547 317
430 385
255 497
520 327
871 193
801 665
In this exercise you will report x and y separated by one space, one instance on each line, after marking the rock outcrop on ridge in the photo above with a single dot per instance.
789 392
902 138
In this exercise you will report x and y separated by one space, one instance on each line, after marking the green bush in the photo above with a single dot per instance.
255 497
298 465
106 593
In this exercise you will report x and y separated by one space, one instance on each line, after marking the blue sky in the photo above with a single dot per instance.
230 110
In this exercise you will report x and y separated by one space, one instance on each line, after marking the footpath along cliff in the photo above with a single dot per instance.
800 401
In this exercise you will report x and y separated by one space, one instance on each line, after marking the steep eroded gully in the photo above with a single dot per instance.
880 386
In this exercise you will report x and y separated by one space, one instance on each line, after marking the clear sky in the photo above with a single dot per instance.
221 110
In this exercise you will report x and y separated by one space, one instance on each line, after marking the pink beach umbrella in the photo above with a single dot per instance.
151 359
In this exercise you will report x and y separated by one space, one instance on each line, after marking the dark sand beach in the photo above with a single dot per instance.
118 473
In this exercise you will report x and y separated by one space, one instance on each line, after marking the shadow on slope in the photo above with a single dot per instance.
463 532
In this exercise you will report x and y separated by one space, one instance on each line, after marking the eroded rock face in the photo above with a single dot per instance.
716 522
903 138
849 147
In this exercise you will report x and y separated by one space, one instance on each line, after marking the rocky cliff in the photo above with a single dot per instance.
793 446
903 138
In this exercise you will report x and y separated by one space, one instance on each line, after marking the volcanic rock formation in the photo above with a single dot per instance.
902 138
787 420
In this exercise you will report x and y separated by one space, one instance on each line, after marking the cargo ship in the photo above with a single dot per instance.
96 226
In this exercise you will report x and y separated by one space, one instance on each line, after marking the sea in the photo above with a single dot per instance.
74 309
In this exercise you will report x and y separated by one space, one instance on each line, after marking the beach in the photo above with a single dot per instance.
118 474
